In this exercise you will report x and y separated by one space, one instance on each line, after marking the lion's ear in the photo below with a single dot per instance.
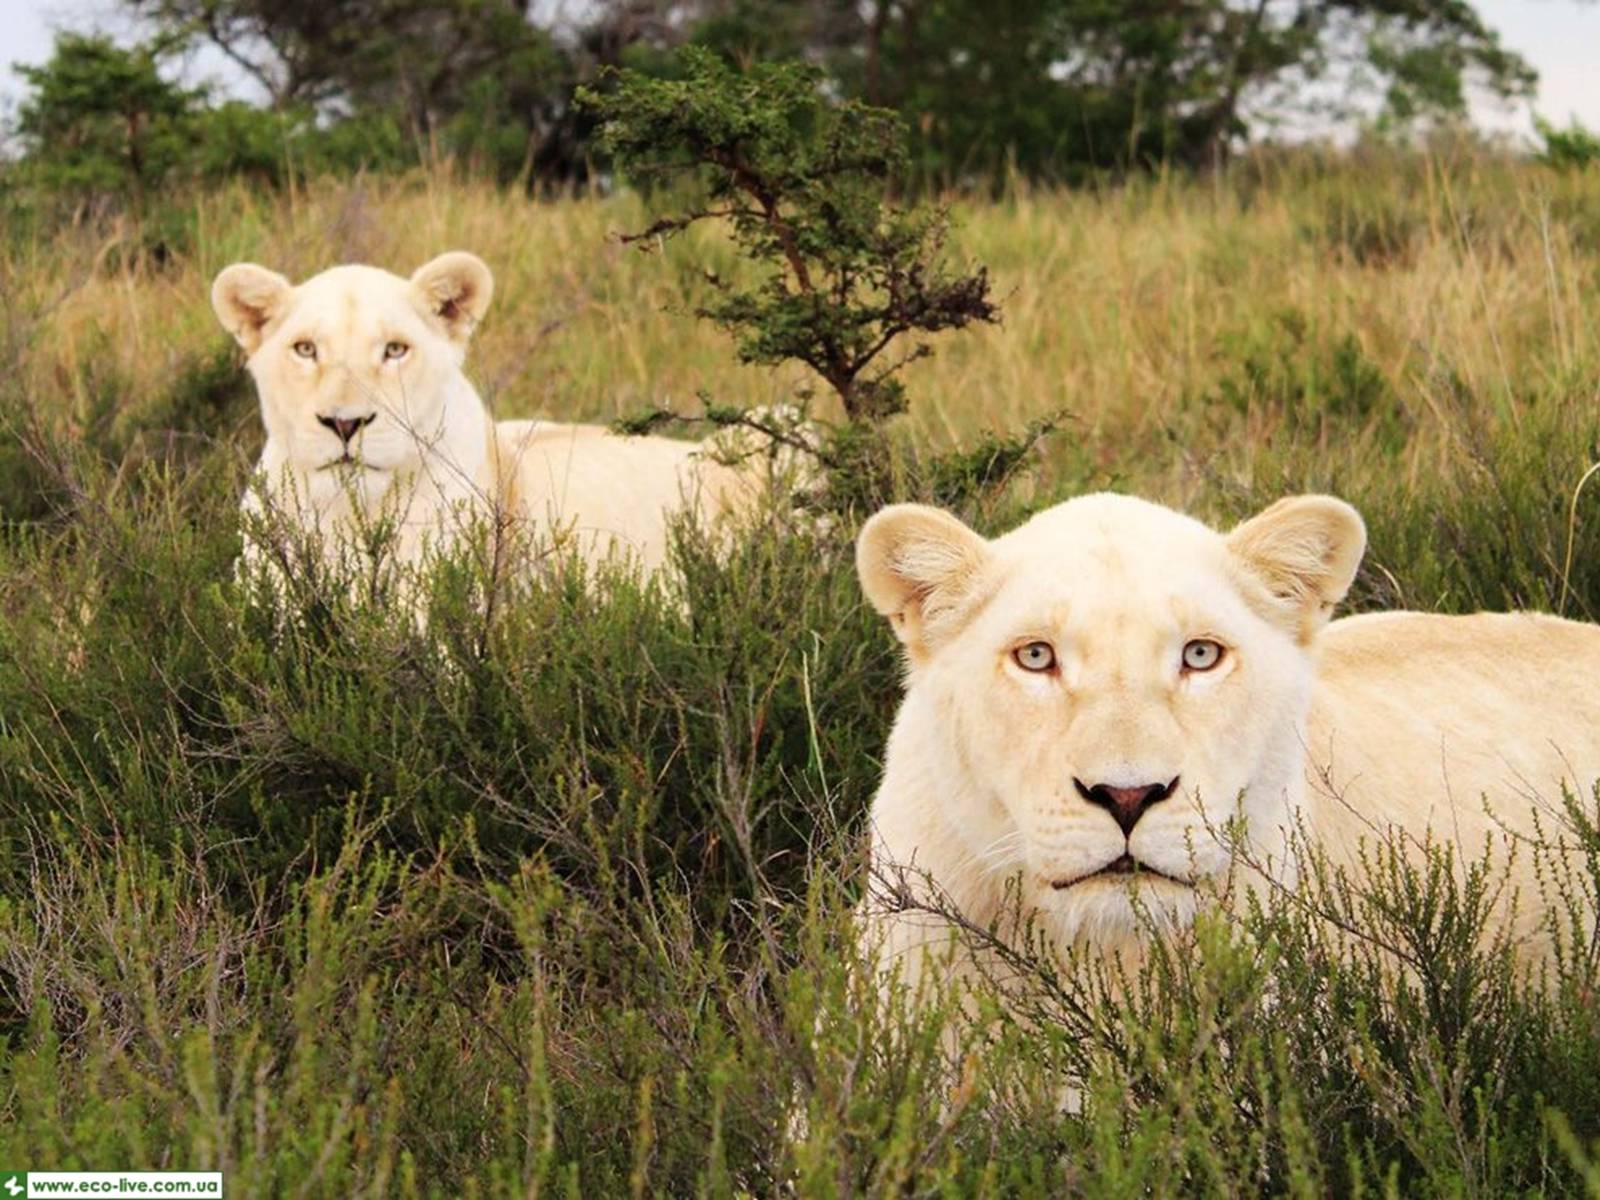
247 299
917 567
456 289
1304 550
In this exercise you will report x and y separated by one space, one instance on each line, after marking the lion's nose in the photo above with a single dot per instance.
347 427
1126 804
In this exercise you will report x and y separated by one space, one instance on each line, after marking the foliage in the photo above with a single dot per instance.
1572 148
415 58
1056 90
480 79
103 127
1071 89
1429 54
557 898
802 183
839 276
102 121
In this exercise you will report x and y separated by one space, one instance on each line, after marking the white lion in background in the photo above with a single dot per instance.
1094 697
370 422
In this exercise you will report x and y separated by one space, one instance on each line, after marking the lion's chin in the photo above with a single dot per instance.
1124 869
349 465
1108 908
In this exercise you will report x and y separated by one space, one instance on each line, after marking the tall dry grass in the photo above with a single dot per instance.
1125 309
562 905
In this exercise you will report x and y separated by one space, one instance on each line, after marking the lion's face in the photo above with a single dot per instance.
354 367
1112 684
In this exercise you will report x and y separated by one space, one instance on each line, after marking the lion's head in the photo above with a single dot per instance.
1093 698
354 366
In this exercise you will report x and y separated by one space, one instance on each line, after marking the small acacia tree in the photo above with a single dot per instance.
803 182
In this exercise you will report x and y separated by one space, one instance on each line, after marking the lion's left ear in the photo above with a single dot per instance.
1304 550
456 289
918 566
247 300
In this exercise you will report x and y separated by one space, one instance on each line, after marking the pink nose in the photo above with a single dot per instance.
1126 804
347 427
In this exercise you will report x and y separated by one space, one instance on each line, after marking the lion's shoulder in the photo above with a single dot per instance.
1392 645
1423 720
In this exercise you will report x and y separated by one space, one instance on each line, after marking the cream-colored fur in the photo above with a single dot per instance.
356 344
1396 722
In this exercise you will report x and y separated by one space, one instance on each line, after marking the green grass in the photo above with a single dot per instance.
556 900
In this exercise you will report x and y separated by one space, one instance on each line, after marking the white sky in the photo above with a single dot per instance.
1561 38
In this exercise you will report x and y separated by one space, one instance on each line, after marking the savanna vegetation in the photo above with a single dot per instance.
1055 90
553 900
553 895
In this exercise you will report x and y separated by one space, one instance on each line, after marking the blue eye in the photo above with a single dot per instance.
1035 656
1202 654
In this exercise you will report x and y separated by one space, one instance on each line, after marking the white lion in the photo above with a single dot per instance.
371 424
1093 698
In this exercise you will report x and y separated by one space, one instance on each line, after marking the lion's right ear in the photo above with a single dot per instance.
1302 553
456 289
918 565
247 299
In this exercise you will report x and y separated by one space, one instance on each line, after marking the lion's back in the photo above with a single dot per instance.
610 491
1462 729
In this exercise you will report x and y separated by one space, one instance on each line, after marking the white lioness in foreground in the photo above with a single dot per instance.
370 419
1091 699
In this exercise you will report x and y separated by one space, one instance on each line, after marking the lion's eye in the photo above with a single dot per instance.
395 351
1035 656
1201 654
305 349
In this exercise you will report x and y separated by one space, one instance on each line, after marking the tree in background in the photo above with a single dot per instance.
1574 148
1061 90
476 72
480 79
102 122
102 126
415 54
802 183
845 281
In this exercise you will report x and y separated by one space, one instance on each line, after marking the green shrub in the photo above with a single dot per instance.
1572 148
555 896
102 122
558 895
